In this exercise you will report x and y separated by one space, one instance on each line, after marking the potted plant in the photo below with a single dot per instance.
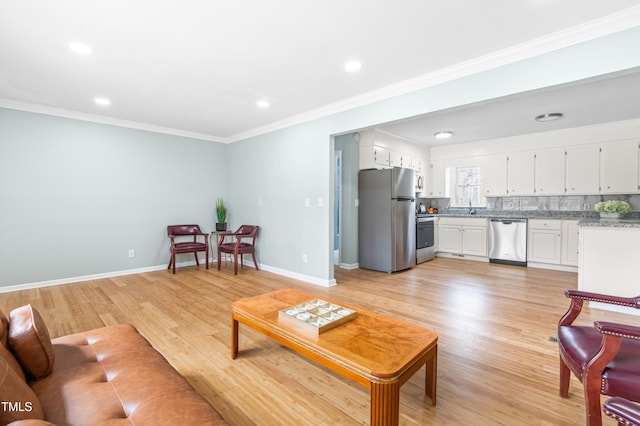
221 215
612 209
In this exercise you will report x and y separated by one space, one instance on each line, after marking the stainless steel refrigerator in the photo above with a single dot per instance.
386 219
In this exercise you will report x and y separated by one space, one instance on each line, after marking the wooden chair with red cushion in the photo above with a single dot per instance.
245 243
625 412
605 357
177 233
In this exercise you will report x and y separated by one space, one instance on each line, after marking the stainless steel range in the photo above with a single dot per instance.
425 238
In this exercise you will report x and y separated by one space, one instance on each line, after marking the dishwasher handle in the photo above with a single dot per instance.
509 221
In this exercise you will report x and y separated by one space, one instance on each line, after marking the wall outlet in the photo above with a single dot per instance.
132 253
304 258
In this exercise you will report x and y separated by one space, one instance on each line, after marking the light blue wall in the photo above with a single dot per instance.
76 196
283 169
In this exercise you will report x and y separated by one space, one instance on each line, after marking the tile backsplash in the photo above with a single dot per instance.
546 203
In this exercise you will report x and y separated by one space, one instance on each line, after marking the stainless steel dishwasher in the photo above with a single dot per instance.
508 241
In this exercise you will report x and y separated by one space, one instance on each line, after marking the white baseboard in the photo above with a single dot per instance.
462 256
70 280
306 278
349 265
614 308
553 267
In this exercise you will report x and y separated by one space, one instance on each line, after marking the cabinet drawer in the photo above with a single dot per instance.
463 221
555 225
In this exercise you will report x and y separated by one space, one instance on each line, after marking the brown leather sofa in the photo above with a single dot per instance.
109 375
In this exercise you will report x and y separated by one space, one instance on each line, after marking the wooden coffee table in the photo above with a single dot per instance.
378 352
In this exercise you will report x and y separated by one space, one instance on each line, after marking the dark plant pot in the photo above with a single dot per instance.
221 226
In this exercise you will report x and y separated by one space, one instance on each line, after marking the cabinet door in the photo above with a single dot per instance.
544 246
582 170
520 174
450 238
474 240
439 180
549 172
494 176
570 242
395 159
619 168
381 156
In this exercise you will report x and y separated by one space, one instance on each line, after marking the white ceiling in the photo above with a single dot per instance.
197 67
599 100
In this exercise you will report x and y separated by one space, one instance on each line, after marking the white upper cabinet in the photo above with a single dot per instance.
381 156
520 173
395 159
494 175
439 180
549 172
619 168
582 170
373 157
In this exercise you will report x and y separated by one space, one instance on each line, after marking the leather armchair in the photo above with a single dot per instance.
245 243
605 357
625 412
194 246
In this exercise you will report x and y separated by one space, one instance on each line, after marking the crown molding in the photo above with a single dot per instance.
76 115
610 24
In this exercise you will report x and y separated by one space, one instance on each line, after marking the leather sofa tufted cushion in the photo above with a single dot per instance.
112 375
19 402
29 339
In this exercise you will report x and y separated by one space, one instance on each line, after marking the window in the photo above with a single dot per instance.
468 186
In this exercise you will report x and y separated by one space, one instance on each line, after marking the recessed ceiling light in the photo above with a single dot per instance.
263 104
80 48
551 116
443 135
102 101
353 66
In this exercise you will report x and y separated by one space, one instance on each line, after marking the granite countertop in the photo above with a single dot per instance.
611 223
586 218
519 214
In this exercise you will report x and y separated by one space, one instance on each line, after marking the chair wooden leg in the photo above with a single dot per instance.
195 254
207 256
219 258
235 263
565 377
254 261
592 404
173 261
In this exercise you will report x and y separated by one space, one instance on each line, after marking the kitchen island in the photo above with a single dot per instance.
609 257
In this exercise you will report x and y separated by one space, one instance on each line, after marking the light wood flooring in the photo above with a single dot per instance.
496 363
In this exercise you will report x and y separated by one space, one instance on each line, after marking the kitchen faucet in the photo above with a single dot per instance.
471 210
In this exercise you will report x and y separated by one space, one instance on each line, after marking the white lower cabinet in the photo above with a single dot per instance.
463 236
543 245
553 242
570 242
